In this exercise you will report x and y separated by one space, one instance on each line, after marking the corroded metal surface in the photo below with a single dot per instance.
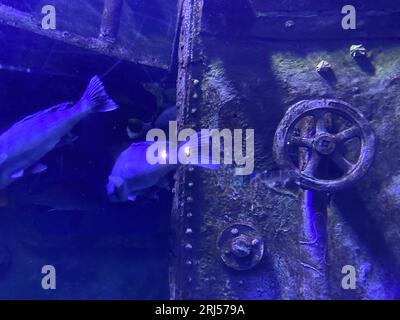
303 19
242 82
324 144
111 20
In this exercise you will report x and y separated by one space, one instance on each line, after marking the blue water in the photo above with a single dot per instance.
99 249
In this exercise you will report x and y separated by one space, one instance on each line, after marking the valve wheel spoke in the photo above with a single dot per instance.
344 164
301 142
320 122
312 164
348 134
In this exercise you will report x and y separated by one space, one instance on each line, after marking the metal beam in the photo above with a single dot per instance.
111 20
24 21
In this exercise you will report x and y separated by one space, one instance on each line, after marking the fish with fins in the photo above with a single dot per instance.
29 140
132 173
137 128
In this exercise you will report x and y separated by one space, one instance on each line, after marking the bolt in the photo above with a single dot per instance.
188 263
195 96
193 111
190 184
240 247
289 24
191 169
188 247
235 231
188 231
189 215
196 82
189 199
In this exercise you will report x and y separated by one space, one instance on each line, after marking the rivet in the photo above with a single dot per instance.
188 231
188 263
190 184
189 215
191 169
196 82
189 199
234 231
289 24
193 111
188 246
189 279
195 96
255 242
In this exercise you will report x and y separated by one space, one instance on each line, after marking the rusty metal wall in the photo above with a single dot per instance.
234 73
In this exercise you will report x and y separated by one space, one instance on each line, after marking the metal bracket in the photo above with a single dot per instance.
241 246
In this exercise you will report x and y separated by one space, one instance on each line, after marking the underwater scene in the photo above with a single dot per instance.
199 150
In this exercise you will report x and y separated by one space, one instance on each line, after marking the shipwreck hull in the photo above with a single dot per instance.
245 72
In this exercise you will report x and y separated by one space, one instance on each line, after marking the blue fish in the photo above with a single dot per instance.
29 140
137 129
132 173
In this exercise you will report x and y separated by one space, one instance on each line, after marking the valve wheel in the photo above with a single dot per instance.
321 145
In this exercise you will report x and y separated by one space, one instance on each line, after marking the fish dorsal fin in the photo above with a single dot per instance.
17 175
132 197
38 168
61 106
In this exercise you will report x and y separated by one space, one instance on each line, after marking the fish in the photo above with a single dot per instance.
137 128
29 140
132 174
169 114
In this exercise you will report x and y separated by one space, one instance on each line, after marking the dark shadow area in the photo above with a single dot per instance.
330 77
365 64
368 230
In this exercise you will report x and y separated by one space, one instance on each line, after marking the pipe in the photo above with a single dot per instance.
111 20
313 236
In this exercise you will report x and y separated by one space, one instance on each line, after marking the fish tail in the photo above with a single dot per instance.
97 97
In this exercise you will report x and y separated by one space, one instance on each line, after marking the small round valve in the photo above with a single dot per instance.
339 135
241 246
